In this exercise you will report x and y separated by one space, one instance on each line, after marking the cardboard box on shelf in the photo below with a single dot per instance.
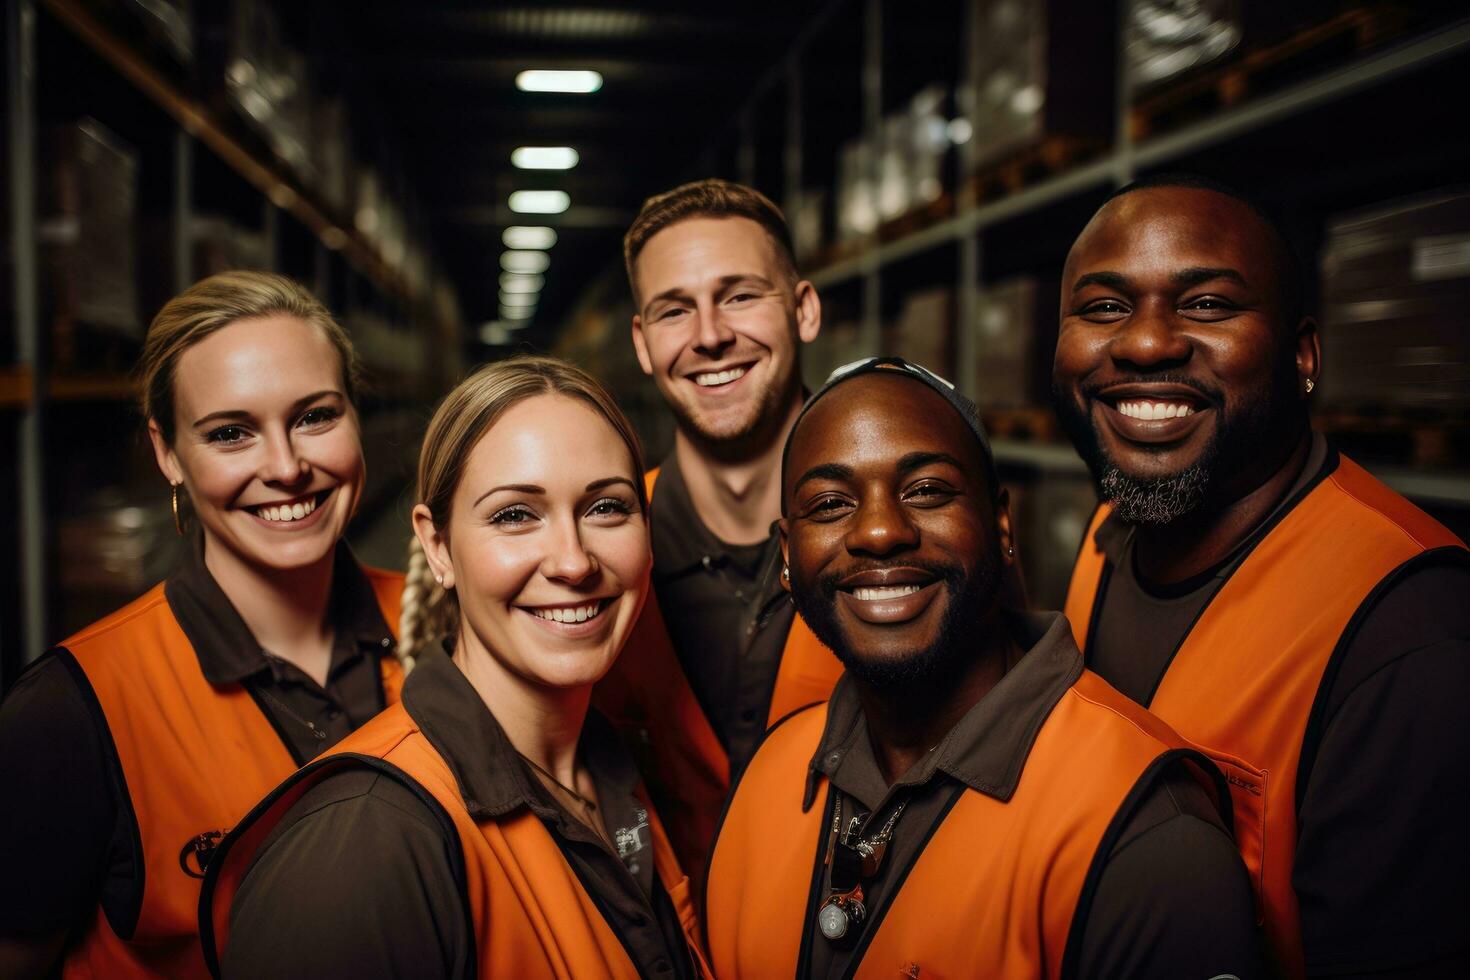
1396 308
267 80
1043 68
88 233
923 331
1017 330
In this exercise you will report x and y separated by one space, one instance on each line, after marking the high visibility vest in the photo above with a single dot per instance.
996 889
646 693
1247 678
530 915
195 758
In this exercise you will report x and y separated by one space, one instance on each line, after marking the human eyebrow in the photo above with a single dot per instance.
231 414
513 487
675 293
608 481
301 403
1196 275
823 471
914 461
758 281
1115 280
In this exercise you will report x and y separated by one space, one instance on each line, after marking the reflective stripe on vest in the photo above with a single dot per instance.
195 758
1243 684
524 904
995 890
647 693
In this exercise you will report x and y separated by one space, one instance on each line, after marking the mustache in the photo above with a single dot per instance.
827 585
1090 389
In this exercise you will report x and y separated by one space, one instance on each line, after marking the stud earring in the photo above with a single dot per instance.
1310 385
786 573
439 579
1010 552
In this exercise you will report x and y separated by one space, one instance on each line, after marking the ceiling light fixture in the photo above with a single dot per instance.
528 236
539 202
544 157
524 261
554 80
510 282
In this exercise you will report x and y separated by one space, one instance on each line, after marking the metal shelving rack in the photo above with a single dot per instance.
1114 168
27 386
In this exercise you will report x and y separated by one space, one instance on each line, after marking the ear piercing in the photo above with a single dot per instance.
439 579
1010 551
1310 385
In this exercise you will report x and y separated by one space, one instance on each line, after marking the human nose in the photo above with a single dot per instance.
1148 339
567 559
714 333
283 462
881 527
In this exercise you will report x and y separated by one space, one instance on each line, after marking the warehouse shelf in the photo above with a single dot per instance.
267 175
1369 70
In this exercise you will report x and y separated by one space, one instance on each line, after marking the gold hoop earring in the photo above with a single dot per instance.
178 520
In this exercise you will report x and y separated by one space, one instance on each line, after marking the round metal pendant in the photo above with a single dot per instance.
832 920
835 918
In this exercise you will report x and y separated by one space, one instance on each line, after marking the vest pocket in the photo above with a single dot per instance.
1248 797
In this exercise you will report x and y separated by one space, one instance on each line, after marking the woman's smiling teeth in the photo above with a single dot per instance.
568 614
286 512
1152 411
869 593
709 379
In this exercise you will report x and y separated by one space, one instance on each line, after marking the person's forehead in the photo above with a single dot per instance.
1181 226
702 238
881 416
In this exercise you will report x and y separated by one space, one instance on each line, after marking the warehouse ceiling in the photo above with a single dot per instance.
441 76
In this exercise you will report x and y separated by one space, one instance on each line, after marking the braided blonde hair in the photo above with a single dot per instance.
430 613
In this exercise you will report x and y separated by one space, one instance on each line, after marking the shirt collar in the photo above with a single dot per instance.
987 749
228 652
491 778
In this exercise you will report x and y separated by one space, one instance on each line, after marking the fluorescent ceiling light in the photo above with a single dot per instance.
527 236
544 157
552 80
495 333
539 202
511 282
524 261
524 303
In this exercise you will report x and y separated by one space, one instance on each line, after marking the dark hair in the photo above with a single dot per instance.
711 198
1288 262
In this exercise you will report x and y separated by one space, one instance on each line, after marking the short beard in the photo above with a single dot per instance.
954 649
764 422
1159 501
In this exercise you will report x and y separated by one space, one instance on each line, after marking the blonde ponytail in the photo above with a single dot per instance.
428 613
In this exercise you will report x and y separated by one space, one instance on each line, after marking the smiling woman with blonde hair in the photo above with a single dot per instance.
490 825
128 751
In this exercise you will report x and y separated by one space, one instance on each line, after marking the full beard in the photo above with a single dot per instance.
1163 500
953 650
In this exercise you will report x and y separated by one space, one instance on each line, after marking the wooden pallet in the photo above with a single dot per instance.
1421 439
1032 424
1045 158
1264 69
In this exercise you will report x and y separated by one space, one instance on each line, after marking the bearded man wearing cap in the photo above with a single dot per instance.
971 801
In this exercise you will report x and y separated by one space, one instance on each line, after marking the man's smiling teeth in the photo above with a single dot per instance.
1150 411
287 512
568 614
711 378
869 593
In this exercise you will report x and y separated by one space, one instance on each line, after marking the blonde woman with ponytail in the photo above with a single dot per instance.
491 825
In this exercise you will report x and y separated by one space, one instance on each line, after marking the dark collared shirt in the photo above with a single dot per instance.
1173 898
726 613
65 842
357 881
1382 857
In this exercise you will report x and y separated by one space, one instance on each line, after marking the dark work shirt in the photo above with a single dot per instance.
66 830
358 880
726 613
1173 899
1382 857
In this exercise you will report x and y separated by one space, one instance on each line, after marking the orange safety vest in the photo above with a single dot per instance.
194 757
1245 680
531 917
995 890
647 693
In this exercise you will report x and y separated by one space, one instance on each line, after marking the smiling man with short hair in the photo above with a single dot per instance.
1259 591
971 802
